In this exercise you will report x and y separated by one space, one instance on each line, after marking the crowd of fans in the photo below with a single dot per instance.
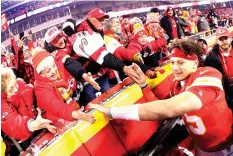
140 5
28 7
53 78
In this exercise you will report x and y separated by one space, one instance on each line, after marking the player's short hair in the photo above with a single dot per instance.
189 46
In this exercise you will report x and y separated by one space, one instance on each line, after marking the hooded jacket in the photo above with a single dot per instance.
166 25
49 98
213 60
17 111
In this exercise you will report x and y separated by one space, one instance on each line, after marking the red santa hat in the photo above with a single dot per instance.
40 59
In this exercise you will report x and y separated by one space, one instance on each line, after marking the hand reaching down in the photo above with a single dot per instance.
88 78
40 123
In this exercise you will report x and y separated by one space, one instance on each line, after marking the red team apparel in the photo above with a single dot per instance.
210 126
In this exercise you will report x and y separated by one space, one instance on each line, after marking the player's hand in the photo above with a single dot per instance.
141 78
100 108
128 70
88 78
41 123
79 114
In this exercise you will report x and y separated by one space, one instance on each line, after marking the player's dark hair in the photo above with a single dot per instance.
189 46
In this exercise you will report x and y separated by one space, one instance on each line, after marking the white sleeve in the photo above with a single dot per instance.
85 45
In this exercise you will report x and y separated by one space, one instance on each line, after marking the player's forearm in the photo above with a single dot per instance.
155 110
148 111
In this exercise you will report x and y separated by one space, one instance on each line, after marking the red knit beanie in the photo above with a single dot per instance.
39 57
138 31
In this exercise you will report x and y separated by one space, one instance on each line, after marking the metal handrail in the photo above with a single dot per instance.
203 34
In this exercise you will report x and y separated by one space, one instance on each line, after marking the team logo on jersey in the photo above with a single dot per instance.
71 83
203 72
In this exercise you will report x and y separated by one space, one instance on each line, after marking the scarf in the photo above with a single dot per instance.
66 92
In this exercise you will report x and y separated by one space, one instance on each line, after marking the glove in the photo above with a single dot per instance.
153 73
138 58
159 69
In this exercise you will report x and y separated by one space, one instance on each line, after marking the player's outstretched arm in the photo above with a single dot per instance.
162 109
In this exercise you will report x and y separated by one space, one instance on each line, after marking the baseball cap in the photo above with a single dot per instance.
97 13
51 34
202 40
221 31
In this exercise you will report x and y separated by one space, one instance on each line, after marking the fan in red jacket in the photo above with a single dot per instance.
54 89
17 109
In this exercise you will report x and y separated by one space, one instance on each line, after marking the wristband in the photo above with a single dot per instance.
125 112
143 85
109 113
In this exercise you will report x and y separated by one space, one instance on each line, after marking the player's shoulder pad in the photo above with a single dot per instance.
208 77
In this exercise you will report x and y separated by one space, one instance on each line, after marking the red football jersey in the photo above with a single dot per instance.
210 126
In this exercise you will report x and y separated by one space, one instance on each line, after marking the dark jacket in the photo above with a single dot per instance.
202 24
166 25
213 60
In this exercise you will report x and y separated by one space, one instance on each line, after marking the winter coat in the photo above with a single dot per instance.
17 111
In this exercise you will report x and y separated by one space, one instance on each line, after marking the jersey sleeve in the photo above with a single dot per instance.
207 85
207 77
